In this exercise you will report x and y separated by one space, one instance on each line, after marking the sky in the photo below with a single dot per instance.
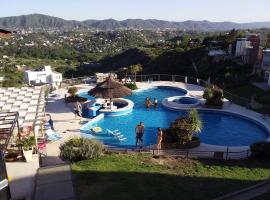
172 10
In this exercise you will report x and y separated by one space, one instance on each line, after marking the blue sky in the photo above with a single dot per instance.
174 10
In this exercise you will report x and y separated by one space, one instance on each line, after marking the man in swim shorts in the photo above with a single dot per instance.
139 131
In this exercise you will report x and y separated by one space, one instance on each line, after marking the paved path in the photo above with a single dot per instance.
54 183
54 178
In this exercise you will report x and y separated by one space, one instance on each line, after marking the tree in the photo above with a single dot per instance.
195 121
268 41
134 69
213 96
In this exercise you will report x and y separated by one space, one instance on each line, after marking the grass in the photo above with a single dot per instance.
139 176
263 197
247 91
265 98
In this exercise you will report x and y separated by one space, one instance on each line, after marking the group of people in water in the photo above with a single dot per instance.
139 131
149 103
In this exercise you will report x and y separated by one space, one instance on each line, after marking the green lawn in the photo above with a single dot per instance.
247 91
139 176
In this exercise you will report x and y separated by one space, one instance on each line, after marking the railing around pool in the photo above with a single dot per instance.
258 107
189 153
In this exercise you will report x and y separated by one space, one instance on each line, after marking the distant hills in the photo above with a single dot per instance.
39 21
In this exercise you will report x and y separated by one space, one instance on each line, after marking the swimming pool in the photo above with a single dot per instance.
219 128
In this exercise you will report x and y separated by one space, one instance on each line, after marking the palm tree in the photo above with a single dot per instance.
134 69
195 121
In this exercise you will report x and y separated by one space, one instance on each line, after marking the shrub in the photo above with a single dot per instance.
77 149
213 96
75 99
72 91
131 86
261 149
27 143
183 128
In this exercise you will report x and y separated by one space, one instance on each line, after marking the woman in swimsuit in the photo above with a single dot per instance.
159 139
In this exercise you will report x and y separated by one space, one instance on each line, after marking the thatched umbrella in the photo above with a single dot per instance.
110 89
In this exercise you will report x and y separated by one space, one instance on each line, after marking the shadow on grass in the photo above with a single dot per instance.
252 163
129 186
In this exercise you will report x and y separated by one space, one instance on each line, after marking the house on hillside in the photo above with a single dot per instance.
243 49
44 76
100 77
266 65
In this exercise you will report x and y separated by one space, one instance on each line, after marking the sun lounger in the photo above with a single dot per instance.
52 136
122 139
115 132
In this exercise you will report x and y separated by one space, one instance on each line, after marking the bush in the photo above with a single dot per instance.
213 96
72 91
75 99
27 143
261 149
131 86
183 128
77 149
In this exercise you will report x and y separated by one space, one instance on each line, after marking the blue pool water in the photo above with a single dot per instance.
218 128
186 100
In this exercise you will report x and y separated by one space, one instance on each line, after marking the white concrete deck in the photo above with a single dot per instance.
64 123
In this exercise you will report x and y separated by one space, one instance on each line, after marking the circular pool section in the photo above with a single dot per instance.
180 102
186 100
219 128
230 129
124 107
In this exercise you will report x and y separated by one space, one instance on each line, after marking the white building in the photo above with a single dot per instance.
45 76
266 65
213 53
267 77
103 76
241 47
266 59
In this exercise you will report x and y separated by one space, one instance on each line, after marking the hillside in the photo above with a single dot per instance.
38 21
178 61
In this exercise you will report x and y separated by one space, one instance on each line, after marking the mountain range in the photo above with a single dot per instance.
39 21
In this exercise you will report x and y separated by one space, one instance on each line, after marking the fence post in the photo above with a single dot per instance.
187 153
153 152
185 79
227 153
173 78
247 153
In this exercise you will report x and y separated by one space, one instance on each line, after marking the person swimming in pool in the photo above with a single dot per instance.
148 103
155 102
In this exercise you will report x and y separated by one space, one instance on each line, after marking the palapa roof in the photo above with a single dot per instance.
110 89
